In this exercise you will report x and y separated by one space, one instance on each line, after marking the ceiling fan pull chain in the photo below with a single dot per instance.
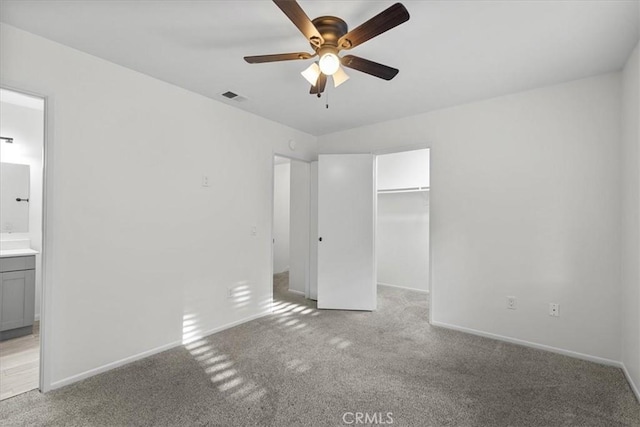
327 99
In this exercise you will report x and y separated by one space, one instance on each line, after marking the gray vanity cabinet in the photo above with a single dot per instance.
17 296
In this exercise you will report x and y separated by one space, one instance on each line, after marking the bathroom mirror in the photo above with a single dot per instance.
14 198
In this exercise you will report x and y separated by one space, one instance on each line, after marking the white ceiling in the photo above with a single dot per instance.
448 53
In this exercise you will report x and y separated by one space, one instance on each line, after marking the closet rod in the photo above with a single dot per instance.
404 190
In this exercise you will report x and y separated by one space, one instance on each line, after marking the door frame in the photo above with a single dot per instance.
275 154
46 290
402 149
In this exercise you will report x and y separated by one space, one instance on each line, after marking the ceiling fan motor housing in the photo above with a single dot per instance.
331 28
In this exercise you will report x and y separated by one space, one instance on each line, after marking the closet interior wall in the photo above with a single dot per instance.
402 235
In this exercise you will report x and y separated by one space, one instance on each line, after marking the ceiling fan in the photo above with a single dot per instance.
328 35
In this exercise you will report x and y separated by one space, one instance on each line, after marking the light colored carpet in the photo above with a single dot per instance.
301 366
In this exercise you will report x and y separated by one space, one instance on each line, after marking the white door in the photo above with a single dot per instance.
346 230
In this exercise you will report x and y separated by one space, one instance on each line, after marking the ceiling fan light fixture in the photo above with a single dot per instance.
329 35
312 73
339 77
329 63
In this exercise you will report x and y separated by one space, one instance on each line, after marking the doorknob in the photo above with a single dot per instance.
320 239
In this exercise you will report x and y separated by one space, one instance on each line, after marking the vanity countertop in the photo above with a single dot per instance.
17 252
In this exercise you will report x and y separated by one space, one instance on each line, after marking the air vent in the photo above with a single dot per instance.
234 96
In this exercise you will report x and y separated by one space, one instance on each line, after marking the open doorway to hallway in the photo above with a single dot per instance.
291 224
21 219
281 214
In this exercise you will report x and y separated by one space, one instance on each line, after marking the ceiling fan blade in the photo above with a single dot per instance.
278 57
320 84
369 67
384 21
294 12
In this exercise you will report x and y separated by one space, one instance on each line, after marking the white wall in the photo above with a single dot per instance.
26 126
406 169
281 207
525 201
140 254
299 237
402 240
631 219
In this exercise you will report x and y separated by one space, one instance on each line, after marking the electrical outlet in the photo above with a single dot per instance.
511 303
253 231
230 292
205 181
554 309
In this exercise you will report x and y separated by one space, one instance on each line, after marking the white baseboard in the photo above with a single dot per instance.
633 385
109 366
562 351
403 287
293 291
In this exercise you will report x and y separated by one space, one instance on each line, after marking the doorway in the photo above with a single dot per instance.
402 220
290 239
356 251
22 128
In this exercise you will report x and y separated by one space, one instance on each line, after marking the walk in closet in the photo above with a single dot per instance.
402 235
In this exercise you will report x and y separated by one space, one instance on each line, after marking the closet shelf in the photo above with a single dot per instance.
404 190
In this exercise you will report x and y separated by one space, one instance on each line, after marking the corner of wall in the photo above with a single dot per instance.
630 219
